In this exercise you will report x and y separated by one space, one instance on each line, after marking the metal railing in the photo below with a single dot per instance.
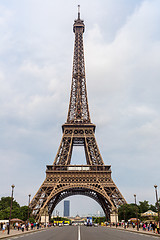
78 168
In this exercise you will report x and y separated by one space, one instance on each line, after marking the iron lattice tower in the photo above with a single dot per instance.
62 178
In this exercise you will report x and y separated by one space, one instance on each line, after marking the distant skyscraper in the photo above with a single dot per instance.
66 208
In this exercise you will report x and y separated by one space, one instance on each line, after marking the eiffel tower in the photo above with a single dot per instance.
63 179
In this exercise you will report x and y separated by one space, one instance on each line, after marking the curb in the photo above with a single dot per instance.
138 232
27 232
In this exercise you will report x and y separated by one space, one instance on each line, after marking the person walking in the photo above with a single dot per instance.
32 226
18 226
23 226
158 227
153 227
4 228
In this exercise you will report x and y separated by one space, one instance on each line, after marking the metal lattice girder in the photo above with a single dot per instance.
63 179
74 135
78 107
92 181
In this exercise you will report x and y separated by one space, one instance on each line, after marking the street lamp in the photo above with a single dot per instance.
28 210
136 212
124 215
10 208
157 204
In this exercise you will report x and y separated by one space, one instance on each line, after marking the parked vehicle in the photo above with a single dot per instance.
95 224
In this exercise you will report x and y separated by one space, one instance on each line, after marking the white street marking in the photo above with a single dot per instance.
79 233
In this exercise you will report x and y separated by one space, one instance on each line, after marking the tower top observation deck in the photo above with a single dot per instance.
78 23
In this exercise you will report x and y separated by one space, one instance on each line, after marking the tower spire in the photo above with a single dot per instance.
78 107
78 11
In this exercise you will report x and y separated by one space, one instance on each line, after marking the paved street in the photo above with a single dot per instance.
103 233
83 233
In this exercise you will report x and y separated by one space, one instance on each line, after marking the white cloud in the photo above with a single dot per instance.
122 79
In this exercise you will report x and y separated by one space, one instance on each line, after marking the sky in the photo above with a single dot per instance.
122 49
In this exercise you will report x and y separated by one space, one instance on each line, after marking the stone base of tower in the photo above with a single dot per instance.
114 218
44 216
44 219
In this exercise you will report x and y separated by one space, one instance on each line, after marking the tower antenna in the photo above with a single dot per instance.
78 11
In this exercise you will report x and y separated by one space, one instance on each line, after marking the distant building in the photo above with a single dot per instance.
77 220
66 208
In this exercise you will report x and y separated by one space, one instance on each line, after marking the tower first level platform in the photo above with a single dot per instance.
63 181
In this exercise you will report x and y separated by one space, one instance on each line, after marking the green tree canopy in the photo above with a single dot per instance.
17 211
127 211
5 202
153 208
143 206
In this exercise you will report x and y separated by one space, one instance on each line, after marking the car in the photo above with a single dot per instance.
95 224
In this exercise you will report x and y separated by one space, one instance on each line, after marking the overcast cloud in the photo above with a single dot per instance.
122 50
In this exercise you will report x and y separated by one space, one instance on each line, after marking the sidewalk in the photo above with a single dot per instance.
14 233
141 231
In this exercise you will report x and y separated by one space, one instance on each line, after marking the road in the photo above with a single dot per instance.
83 233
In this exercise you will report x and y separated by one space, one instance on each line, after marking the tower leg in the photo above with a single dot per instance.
44 216
114 216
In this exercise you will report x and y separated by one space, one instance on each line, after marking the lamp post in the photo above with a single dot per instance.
28 210
157 204
10 208
136 212
45 218
124 215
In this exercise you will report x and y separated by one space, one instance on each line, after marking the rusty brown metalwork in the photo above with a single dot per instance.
63 179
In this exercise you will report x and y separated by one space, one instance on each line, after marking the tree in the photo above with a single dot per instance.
127 211
143 206
98 219
153 208
4 214
17 211
5 202
24 213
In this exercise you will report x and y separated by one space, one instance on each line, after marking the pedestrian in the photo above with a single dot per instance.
153 227
144 226
8 227
4 228
18 226
26 226
31 226
37 225
125 225
23 226
158 227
